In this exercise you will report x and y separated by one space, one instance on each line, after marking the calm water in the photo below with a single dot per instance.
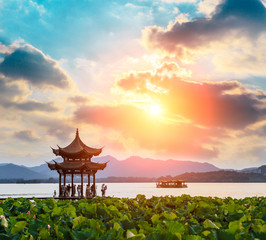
235 190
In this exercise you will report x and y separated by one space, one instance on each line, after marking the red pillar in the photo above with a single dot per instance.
89 179
94 192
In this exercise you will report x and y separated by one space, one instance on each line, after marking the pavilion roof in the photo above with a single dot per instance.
77 148
76 166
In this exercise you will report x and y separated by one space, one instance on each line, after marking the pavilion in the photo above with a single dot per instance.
77 161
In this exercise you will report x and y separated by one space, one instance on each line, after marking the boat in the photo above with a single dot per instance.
171 184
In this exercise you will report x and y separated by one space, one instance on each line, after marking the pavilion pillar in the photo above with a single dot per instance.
64 182
72 182
82 184
89 179
60 189
64 179
94 189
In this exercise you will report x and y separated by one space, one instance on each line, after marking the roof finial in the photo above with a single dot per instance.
77 132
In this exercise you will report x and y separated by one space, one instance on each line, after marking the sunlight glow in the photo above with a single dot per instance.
155 109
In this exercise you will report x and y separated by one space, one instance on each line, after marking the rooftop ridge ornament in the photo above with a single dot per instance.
77 132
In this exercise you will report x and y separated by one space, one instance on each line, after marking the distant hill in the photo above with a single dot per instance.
146 167
261 170
11 171
138 167
222 176
45 170
133 167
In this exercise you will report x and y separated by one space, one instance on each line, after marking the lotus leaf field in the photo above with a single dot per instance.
184 217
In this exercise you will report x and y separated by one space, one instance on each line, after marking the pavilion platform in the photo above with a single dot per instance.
56 198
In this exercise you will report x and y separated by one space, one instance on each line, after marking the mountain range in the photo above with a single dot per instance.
133 166
11 171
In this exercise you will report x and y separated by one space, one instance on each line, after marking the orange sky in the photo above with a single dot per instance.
161 79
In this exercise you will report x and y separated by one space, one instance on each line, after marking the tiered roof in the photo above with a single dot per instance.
77 148
85 166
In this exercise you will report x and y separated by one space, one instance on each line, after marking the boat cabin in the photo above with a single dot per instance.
171 184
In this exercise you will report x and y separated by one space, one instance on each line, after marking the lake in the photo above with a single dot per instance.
130 190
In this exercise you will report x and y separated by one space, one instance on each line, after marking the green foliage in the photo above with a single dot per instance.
185 217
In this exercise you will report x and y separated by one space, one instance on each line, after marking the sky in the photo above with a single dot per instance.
164 79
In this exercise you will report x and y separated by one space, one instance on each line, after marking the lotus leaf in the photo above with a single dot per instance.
18 227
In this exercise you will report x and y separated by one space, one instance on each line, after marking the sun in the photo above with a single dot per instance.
155 109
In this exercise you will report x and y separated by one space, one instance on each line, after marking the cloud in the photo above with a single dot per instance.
244 59
258 130
250 10
4 49
115 143
10 91
26 135
25 76
33 105
30 64
79 99
15 95
207 7
211 104
57 128
229 19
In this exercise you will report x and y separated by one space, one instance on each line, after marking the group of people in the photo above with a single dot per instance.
90 190
66 190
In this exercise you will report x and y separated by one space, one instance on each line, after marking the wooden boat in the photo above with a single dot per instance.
171 184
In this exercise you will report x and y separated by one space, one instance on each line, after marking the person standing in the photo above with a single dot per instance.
88 191
102 189
93 190
68 190
79 190
63 188
105 188
74 190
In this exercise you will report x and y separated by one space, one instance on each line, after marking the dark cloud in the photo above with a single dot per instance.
31 105
30 64
247 10
211 104
26 135
246 16
183 139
